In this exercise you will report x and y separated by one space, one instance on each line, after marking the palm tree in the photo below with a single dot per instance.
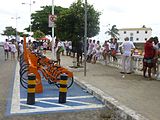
113 32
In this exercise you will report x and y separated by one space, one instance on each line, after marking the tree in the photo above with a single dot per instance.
38 34
22 34
113 31
9 32
70 23
40 19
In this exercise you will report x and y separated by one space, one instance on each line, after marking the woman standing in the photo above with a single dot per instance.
114 48
106 52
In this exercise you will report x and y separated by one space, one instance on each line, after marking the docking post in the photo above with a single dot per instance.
31 89
63 88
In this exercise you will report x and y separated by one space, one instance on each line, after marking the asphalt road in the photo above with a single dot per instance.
7 70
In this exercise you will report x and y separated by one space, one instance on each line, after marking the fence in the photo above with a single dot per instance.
136 64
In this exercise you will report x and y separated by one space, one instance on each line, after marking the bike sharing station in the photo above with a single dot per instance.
41 86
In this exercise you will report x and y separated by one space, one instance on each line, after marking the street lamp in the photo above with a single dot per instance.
16 18
30 4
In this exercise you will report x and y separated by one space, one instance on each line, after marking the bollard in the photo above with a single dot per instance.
31 89
63 88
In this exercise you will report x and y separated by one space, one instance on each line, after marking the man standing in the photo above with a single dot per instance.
6 49
127 47
157 49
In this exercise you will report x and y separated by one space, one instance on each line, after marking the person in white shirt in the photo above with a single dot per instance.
45 45
20 45
6 49
58 49
106 52
67 47
96 55
157 49
13 50
126 56
90 50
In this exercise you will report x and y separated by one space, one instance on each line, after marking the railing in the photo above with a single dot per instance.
136 64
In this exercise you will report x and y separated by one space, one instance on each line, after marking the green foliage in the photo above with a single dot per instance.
40 19
38 34
9 31
70 23
113 31
21 34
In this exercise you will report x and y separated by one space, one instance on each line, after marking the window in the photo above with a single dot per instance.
124 32
131 38
137 39
146 32
137 32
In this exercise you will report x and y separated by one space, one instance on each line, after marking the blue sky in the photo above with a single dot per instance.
123 13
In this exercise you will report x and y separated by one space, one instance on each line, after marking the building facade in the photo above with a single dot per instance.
137 35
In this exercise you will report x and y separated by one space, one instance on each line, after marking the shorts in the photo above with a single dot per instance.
44 48
6 50
148 62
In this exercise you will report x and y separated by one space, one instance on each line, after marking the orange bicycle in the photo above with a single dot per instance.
52 71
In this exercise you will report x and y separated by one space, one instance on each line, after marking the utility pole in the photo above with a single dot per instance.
16 18
30 10
53 42
85 39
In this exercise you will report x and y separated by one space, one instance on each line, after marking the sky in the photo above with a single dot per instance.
122 13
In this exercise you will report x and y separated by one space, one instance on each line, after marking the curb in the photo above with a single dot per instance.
122 112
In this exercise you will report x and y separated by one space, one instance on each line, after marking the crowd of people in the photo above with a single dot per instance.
95 51
111 48
107 50
12 47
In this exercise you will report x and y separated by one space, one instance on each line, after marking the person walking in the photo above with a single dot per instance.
6 49
127 47
20 45
45 45
106 52
13 50
90 50
58 49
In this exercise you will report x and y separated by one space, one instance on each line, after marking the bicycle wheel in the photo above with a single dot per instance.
22 80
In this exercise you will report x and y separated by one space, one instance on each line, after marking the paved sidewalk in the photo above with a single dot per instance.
133 91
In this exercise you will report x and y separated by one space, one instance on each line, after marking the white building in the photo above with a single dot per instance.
137 35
